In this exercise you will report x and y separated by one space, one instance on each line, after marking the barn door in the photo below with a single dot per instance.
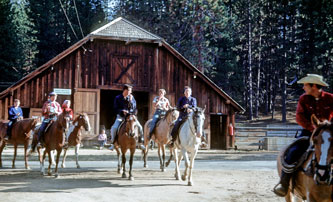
87 101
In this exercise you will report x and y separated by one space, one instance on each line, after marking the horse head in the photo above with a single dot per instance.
83 120
198 120
172 115
63 120
130 123
322 139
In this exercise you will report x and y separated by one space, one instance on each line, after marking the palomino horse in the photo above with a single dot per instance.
314 180
54 140
189 140
20 135
127 135
74 138
160 136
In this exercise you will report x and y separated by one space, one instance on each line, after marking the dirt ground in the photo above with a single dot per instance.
218 176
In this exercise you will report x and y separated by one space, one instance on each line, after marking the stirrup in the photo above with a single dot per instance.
280 190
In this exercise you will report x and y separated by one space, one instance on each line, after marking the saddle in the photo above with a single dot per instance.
290 168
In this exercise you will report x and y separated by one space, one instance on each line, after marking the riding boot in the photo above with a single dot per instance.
281 189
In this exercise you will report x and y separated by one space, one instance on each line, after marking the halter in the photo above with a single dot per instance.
322 172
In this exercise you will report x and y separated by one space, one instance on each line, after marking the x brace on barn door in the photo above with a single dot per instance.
125 69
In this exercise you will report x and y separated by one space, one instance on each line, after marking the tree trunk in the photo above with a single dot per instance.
250 89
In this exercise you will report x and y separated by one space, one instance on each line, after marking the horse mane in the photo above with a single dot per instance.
321 126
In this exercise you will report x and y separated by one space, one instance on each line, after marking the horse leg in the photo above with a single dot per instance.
177 174
163 156
2 145
145 157
49 152
159 154
119 162
170 158
193 155
123 157
131 163
15 153
77 148
42 160
26 155
64 158
52 157
57 161
185 154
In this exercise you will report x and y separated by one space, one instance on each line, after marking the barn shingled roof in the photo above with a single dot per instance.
124 30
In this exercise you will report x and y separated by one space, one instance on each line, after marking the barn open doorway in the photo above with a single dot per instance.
218 127
107 113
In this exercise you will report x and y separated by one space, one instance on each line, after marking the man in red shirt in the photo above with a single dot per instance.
313 101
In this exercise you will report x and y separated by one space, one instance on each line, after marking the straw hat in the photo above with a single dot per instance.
313 78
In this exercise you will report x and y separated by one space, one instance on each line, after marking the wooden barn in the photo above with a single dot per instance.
92 72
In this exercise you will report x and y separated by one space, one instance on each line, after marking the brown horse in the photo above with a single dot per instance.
54 140
161 136
74 138
314 181
127 135
21 132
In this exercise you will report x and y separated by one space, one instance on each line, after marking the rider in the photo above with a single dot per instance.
161 105
14 112
124 104
184 105
313 101
51 109
66 107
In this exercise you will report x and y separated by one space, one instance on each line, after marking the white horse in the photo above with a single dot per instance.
189 140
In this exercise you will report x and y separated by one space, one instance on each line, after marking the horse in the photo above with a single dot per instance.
127 135
21 133
313 181
160 136
189 139
54 140
74 138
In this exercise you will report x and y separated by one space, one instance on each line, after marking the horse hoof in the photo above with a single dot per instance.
56 175
183 177
63 166
118 171
27 168
189 183
177 177
131 178
167 164
124 175
163 170
13 167
145 166
78 166
49 174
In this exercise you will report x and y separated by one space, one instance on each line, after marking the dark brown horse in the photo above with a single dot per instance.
314 181
127 135
54 140
74 138
21 132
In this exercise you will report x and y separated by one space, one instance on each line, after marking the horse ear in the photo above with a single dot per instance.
314 120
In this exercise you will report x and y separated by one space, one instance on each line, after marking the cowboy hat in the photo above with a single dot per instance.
313 78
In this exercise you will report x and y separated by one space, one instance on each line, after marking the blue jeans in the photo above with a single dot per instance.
156 118
295 152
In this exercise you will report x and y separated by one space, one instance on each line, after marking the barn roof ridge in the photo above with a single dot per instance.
99 34
123 28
